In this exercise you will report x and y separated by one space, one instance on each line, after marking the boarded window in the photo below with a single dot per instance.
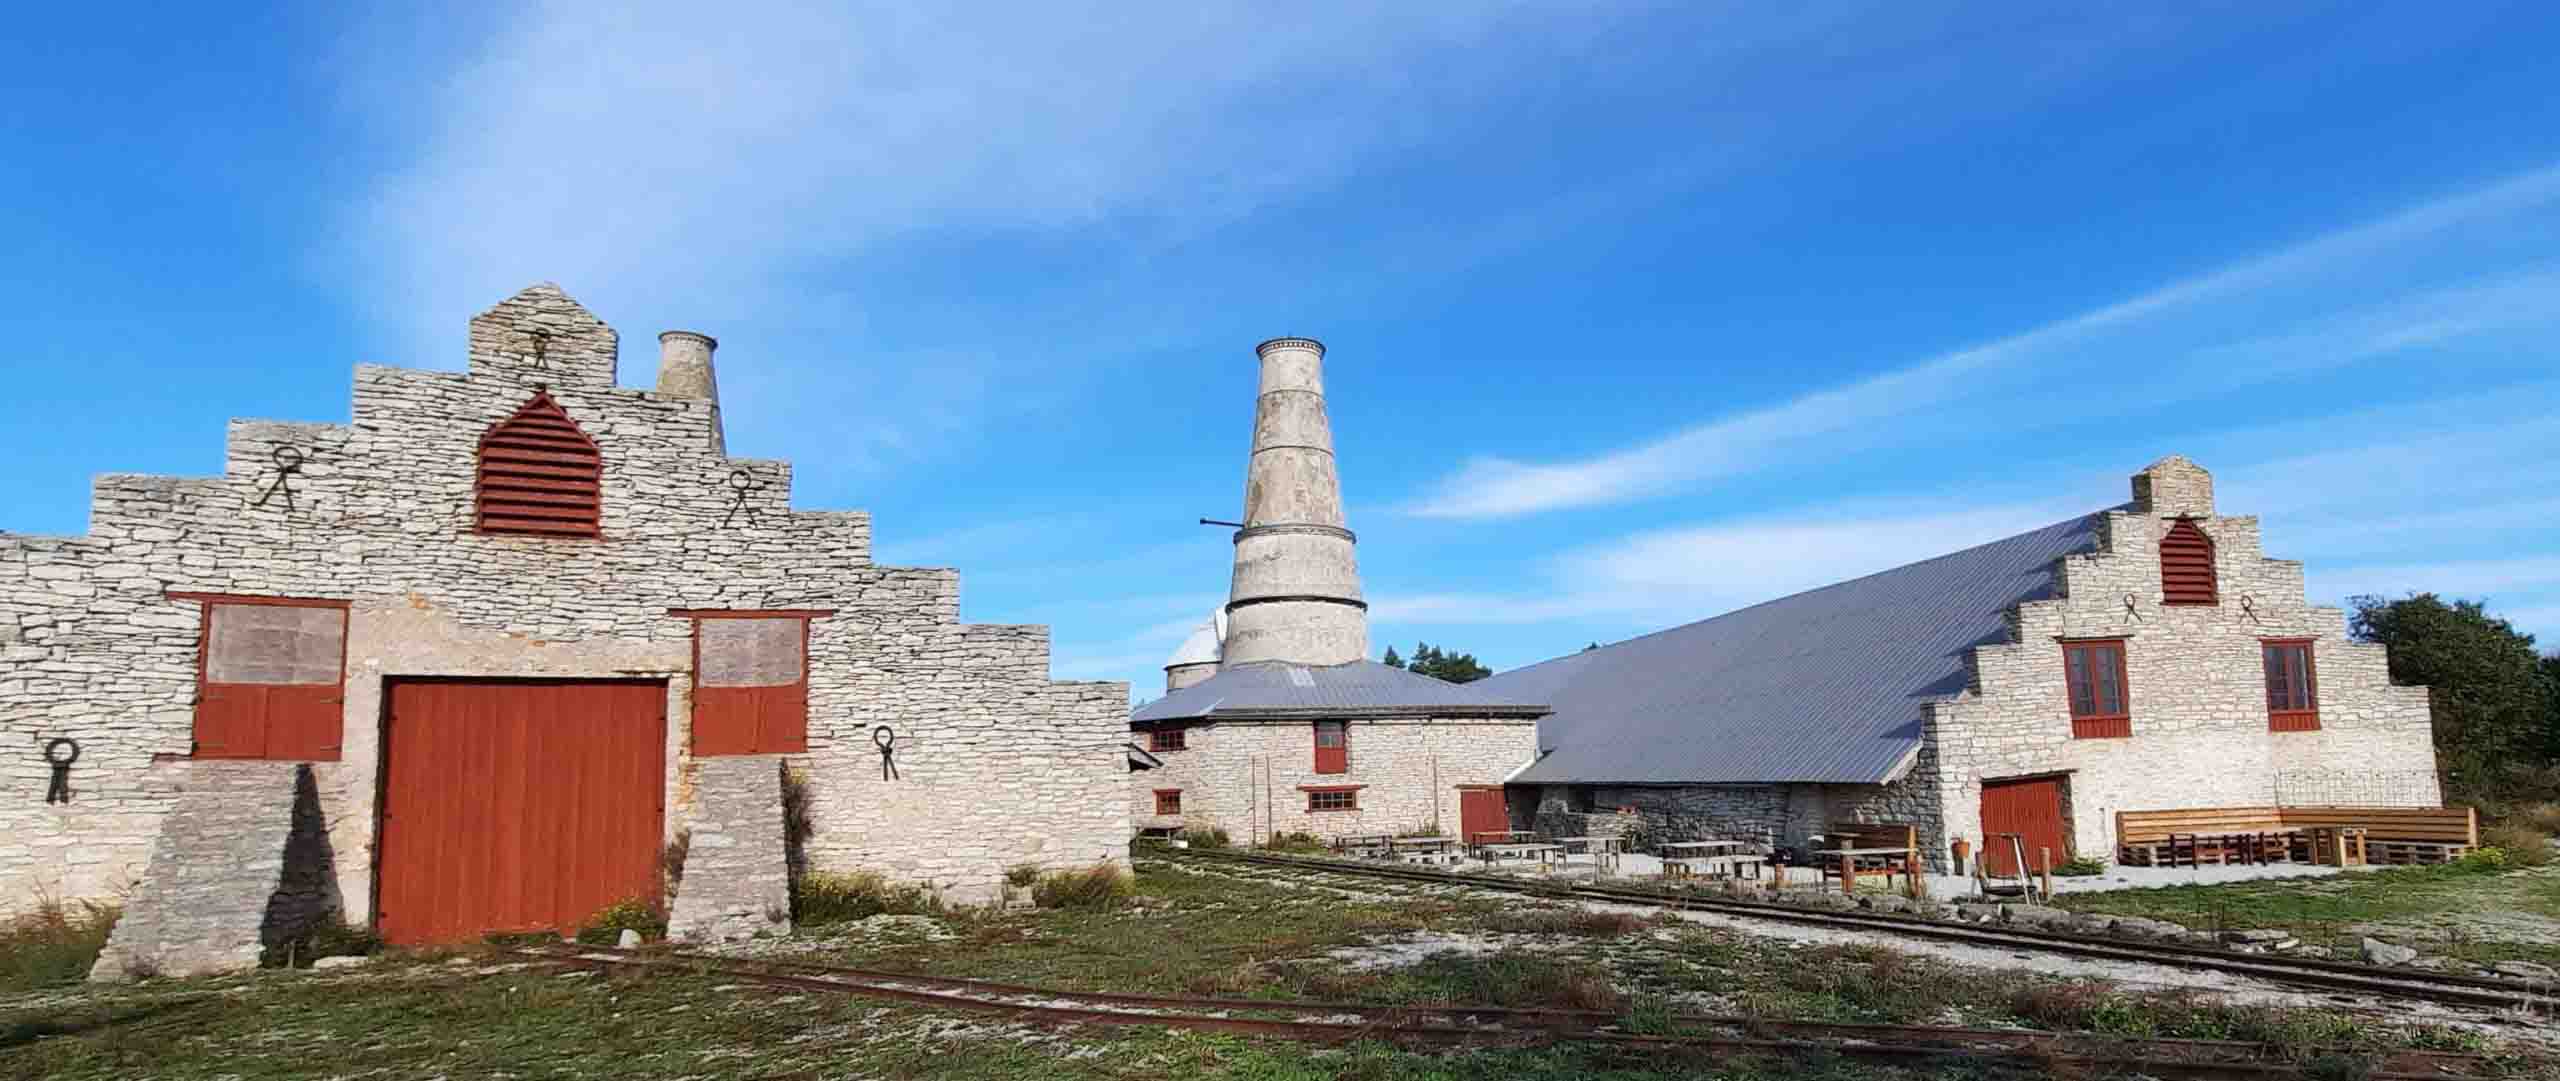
1333 747
2293 693
540 476
1168 801
2100 701
2186 565
272 683
751 684
1164 739
1333 799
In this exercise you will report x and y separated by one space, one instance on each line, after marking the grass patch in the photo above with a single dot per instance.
2298 1033
1100 887
2334 912
2519 844
54 944
1300 843
1572 921
2080 867
820 898
1206 837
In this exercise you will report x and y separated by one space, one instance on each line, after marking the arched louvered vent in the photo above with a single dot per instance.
2186 565
540 476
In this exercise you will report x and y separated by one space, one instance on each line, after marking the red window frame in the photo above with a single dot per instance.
1337 757
2090 669
1331 799
1168 802
2293 684
282 722
2187 574
1169 738
750 720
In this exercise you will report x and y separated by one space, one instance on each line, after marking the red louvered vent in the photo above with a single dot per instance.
2186 565
540 476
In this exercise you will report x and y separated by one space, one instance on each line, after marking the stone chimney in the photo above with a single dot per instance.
2173 487
685 374
1295 596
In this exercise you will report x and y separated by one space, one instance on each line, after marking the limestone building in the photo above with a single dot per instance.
2144 657
1274 720
488 655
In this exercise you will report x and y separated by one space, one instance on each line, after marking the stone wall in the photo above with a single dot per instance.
997 764
2198 690
1247 777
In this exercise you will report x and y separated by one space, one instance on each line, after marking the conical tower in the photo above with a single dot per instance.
1296 592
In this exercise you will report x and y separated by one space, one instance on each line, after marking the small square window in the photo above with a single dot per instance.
1164 739
1333 799
1168 801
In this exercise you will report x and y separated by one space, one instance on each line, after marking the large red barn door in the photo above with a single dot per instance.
2030 807
525 805
1481 810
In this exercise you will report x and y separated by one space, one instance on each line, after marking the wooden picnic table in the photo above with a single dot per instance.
1427 844
1479 836
1849 858
1489 853
1358 842
1604 850
1703 846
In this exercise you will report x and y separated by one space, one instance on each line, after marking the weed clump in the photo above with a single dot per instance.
1022 875
326 938
1295 842
2080 867
605 928
819 898
54 944
1571 921
2519 842
1206 837
1101 886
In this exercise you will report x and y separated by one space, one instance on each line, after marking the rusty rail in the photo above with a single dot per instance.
2302 972
1439 1024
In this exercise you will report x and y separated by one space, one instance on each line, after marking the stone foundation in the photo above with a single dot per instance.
737 880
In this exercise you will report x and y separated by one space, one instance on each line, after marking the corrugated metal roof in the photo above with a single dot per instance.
1821 687
1274 689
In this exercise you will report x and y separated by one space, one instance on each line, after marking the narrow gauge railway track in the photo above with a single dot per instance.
2477 991
1461 1025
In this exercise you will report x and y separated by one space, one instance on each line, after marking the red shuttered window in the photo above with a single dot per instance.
2186 565
2293 689
1164 739
271 679
751 683
2101 704
1333 747
540 476
1168 801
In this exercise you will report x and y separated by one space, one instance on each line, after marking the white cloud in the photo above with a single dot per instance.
1880 407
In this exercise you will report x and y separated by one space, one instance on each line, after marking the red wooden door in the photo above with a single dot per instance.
524 805
1481 810
2031 808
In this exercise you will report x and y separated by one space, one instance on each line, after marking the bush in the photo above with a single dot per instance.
1206 837
1021 875
2486 858
820 898
2079 867
327 938
54 944
605 928
2520 844
1295 842
1101 886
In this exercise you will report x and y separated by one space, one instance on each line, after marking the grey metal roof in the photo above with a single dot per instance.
1360 688
1825 686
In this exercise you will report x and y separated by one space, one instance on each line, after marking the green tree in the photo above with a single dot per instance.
1428 660
2488 689
1392 660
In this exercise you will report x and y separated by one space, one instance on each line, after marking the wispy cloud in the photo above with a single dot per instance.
1868 411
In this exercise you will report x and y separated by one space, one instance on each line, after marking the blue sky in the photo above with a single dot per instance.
1636 312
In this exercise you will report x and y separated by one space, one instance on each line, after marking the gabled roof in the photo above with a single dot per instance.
1825 686
1276 690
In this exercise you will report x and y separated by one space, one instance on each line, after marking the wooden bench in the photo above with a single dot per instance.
2257 834
1901 836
